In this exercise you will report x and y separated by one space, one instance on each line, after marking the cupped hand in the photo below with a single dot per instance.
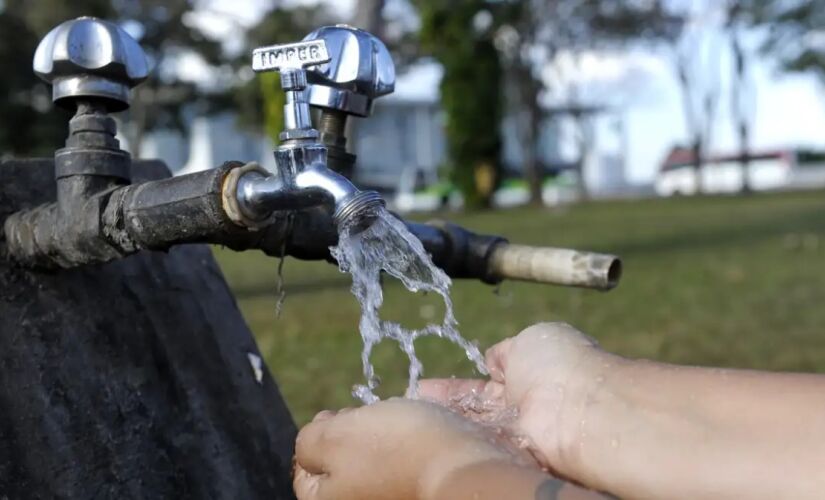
395 449
538 388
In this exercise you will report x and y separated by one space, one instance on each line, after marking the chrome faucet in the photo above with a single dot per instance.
302 178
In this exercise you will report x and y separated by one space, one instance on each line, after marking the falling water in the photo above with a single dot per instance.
388 246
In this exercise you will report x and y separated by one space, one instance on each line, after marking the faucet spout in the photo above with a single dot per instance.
350 206
319 177
259 196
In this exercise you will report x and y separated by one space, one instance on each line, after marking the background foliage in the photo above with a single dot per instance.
470 92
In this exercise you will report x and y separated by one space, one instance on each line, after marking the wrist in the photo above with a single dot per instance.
489 479
592 422
442 468
580 401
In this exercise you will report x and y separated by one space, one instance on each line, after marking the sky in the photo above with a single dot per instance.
639 85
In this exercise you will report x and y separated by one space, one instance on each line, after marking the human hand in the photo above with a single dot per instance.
545 374
395 449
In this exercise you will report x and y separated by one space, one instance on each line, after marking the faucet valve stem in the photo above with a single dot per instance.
290 60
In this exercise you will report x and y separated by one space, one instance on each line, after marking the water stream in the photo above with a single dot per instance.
387 245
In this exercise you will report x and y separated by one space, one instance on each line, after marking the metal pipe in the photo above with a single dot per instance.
157 215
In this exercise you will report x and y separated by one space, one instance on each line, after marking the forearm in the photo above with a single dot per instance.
649 430
494 480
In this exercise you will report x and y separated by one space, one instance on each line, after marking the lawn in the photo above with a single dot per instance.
723 281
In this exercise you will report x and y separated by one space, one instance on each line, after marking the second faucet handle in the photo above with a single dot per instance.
360 70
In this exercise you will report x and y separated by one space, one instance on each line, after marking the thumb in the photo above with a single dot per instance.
496 359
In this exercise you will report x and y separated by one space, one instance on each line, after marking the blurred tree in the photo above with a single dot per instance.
165 29
794 33
697 63
794 29
168 32
739 15
259 100
30 124
368 16
535 36
459 35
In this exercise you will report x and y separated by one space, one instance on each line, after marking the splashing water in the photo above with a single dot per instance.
387 245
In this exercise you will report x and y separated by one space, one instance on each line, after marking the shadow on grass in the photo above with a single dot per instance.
776 225
255 290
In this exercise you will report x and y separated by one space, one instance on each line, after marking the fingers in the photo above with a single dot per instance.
310 486
307 486
496 359
558 333
447 390
478 400
323 415
315 440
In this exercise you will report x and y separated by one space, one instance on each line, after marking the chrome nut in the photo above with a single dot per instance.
89 57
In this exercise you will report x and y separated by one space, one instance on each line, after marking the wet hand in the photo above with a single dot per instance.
543 376
395 449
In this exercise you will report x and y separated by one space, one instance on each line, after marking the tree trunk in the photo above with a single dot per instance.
698 163
584 150
740 114
368 16
692 120
745 159
532 168
529 112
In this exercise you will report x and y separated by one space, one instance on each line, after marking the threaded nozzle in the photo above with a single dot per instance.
358 211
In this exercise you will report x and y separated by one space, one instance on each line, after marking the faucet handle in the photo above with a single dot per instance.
290 60
360 70
90 58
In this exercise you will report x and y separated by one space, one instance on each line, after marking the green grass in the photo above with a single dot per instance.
734 282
